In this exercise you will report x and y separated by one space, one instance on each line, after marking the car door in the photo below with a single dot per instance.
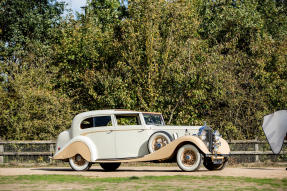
131 136
100 130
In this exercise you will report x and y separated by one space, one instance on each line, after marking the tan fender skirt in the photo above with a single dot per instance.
74 148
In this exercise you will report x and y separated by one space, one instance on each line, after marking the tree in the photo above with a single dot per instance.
30 108
25 22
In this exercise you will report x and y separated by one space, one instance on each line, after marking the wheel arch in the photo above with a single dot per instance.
79 145
195 141
164 132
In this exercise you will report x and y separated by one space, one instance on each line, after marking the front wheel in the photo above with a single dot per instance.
188 158
78 163
110 166
208 164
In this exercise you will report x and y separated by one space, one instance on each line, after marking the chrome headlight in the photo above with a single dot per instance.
215 148
216 136
216 139
202 136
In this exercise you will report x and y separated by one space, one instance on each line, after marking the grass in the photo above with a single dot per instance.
15 164
66 182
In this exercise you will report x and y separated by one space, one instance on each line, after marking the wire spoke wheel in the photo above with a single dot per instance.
78 160
159 142
188 158
78 163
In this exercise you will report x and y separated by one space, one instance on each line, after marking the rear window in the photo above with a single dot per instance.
99 121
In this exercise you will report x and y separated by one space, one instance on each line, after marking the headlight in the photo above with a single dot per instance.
203 135
216 136
216 133
216 141
215 148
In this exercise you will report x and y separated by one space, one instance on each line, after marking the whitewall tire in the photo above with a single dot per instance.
188 158
78 163
157 141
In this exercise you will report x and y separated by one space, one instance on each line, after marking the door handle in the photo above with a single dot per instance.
110 131
141 130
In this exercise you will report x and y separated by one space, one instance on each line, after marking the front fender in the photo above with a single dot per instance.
195 140
79 145
224 147
167 151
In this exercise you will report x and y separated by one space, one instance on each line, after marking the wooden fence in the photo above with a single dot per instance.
46 148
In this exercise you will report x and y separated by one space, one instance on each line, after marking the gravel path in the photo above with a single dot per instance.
96 171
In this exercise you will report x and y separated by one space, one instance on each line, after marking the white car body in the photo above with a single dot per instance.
125 143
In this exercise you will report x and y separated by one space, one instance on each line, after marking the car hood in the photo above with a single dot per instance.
169 127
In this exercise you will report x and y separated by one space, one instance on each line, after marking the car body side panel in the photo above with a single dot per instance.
78 145
104 139
131 141
167 151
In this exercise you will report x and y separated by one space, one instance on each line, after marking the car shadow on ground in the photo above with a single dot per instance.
119 170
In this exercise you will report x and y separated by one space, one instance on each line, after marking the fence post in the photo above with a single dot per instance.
256 150
51 151
1 154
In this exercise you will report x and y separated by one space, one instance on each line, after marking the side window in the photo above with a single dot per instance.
102 121
87 123
128 120
96 122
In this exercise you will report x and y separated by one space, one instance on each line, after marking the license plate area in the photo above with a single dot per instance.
217 159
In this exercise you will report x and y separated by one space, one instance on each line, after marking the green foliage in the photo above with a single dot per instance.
31 109
23 22
30 106
223 62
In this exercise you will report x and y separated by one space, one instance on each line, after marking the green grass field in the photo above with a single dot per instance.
68 182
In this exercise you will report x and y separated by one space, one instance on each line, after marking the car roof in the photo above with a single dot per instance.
112 111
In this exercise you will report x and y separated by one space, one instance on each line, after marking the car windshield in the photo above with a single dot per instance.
153 119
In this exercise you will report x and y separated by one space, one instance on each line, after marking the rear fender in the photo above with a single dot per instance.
79 145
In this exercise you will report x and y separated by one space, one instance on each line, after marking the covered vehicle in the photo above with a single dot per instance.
275 129
110 137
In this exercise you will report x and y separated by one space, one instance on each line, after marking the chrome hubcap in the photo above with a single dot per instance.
188 157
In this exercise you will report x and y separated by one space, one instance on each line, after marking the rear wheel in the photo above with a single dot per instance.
208 164
78 163
188 158
110 166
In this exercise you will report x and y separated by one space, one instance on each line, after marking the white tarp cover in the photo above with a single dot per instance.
275 129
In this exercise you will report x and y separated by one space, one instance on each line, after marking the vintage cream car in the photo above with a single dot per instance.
110 137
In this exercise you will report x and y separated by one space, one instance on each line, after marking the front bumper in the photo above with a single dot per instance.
218 158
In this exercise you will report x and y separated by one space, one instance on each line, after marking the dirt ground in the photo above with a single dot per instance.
96 171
